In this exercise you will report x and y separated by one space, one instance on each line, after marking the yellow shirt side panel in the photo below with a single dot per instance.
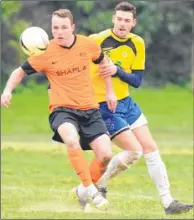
129 55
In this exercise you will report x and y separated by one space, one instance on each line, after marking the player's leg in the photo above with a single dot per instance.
99 163
119 130
157 171
103 154
101 146
97 166
69 135
94 131
155 165
122 160
65 126
100 160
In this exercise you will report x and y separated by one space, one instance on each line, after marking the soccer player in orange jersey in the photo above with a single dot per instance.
73 107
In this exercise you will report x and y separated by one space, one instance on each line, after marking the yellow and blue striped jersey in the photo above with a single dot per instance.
128 53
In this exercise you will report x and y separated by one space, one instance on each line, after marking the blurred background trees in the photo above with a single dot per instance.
166 27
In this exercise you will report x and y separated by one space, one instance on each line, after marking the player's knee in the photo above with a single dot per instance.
136 155
130 157
150 147
105 156
106 159
72 144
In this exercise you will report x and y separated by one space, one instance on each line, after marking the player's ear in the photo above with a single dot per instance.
113 18
134 22
73 27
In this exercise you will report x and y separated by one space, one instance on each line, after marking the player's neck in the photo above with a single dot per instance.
70 41
115 34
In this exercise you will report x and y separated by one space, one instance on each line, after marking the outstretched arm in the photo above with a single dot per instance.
14 79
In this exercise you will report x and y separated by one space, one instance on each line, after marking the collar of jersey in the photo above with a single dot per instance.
75 38
117 38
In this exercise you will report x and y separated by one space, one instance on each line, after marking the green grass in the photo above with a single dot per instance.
37 177
169 111
36 183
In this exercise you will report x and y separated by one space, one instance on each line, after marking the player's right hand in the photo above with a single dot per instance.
6 99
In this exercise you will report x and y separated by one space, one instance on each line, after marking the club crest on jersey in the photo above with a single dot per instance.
124 54
82 54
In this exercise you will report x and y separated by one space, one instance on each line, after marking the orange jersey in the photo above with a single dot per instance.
68 72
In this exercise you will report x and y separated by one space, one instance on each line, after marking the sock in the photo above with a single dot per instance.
91 190
80 165
97 169
120 162
157 171
83 191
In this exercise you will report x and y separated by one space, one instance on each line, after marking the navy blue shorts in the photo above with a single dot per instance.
127 112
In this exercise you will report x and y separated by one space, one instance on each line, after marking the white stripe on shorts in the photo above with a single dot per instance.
139 122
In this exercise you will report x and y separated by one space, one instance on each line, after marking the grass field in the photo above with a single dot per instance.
37 178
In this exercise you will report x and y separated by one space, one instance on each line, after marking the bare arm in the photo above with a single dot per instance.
102 60
14 79
108 80
110 94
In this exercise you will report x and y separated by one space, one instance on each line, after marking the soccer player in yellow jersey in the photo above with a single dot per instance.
128 126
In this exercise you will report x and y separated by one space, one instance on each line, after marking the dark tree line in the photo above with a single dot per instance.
166 27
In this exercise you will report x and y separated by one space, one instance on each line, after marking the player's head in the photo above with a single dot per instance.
62 26
124 19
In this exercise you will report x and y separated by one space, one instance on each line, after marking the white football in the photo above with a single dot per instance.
34 41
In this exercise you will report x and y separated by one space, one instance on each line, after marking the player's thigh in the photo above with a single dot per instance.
68 133
65 127
139 127
143 135
127 141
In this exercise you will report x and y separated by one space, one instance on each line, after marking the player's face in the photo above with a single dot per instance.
62 30
123 23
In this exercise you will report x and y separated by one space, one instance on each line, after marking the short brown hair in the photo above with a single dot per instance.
126 6
64 13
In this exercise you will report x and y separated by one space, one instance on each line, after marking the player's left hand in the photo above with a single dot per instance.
111 100
107 70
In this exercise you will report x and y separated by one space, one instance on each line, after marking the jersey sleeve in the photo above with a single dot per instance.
96 52
33 65
139 61
93 36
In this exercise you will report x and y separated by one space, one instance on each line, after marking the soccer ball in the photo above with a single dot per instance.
34 41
